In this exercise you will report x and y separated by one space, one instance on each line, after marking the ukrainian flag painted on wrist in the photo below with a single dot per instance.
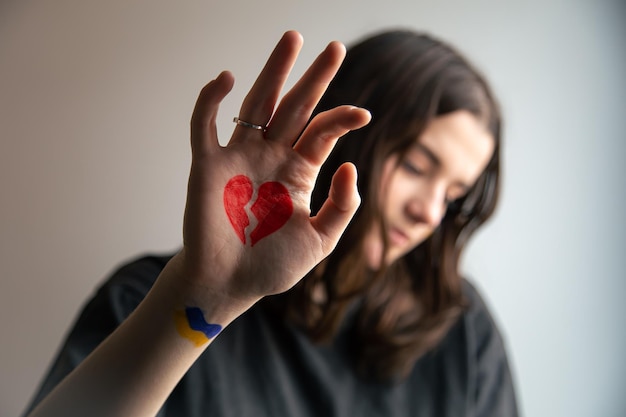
191 325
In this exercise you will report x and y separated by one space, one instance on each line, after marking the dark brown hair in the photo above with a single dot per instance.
405 79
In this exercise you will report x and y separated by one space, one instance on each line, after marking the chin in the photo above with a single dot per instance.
394 254
374 254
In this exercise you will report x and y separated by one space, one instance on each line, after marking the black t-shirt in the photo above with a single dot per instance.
261 366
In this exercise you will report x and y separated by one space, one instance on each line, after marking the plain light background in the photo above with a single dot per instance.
95 99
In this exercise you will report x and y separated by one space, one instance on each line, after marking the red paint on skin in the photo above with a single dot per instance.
272 208
237 193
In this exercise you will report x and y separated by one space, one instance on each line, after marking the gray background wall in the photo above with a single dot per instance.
95 99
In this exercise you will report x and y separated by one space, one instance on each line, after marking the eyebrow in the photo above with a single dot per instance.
437 162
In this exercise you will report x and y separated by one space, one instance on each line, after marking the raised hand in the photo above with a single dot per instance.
247 233
247 230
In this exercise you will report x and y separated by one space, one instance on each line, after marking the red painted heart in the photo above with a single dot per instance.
272 208
237 193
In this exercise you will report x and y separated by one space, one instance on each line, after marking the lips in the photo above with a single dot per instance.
397 237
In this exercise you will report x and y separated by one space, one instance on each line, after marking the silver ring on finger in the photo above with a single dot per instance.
243 123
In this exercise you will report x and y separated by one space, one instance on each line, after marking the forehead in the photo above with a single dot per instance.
458 143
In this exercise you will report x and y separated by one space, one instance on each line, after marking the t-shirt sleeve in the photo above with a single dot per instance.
494 394
111 304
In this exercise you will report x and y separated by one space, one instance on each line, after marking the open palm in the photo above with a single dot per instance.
247 230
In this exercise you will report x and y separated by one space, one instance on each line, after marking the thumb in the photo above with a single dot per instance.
339 208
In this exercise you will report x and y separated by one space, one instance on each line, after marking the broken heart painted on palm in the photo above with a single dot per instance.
272 207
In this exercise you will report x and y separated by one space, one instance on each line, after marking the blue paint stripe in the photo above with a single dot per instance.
197 322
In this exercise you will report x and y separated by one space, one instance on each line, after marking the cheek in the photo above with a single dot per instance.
392 182
373 248
398 191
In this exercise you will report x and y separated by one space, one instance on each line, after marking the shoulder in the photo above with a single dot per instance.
488 364
481 329
117 297
472 295
475 331
113 301
475 340
139 273
476 309
126 286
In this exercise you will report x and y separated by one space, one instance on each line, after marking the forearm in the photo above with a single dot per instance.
135 369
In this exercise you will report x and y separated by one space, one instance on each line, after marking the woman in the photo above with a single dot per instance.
383 324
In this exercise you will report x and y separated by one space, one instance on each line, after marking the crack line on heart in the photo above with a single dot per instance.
251 217
261 210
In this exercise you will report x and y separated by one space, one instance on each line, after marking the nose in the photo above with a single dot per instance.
427 207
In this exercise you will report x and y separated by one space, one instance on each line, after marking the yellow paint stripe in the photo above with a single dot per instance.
182 326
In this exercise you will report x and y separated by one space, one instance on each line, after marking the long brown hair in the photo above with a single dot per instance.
405 79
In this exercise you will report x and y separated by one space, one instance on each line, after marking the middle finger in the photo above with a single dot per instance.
258 106
296 107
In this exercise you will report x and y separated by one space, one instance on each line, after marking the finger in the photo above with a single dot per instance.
320 136
258 106
203 126
296 107
337 211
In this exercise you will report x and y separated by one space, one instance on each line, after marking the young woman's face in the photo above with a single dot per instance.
439 168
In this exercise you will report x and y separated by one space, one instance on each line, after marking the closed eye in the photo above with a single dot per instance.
407 166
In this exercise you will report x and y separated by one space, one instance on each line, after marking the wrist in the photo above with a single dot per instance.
186 292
